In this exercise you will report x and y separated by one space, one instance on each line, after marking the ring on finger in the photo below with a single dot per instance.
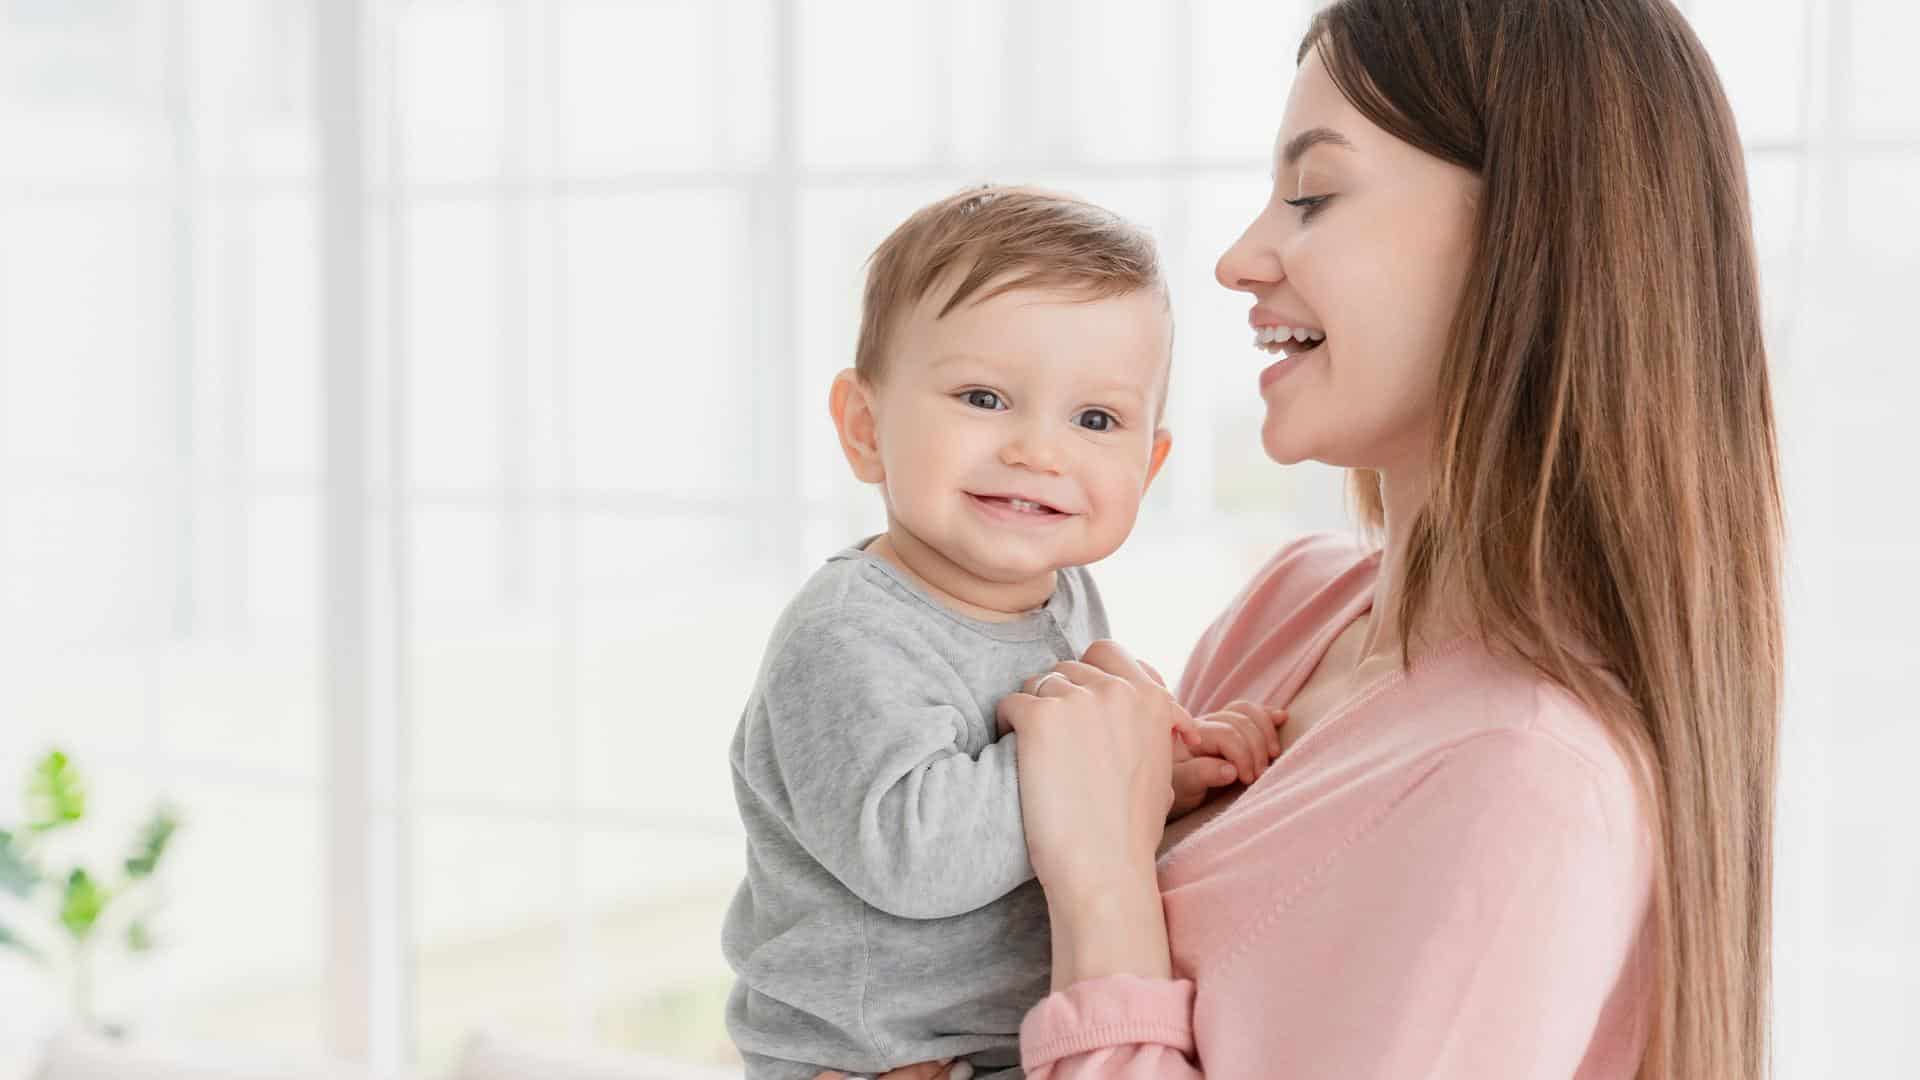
1042 682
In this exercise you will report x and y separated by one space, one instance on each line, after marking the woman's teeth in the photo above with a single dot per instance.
1273 338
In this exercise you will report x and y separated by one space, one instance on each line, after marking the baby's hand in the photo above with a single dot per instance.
1236 743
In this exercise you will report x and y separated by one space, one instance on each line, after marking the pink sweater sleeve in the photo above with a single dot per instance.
1473 925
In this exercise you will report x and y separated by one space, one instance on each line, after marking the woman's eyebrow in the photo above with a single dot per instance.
1298 145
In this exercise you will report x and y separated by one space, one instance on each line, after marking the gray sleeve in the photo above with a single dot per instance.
867 744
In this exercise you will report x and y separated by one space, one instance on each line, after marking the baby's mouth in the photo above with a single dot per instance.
1019 505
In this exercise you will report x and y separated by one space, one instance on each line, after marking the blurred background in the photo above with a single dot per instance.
412 418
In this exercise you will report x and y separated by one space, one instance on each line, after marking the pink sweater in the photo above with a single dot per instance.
1448 877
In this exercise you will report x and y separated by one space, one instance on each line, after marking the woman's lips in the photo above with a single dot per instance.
1277 370
1290 359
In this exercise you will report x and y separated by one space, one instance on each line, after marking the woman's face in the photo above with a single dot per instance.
1372 254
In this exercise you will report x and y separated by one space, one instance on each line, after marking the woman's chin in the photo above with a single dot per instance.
1280 448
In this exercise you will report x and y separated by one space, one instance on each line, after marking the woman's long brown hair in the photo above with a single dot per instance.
1606 477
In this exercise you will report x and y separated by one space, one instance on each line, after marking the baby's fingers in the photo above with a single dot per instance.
1258 723
1221 737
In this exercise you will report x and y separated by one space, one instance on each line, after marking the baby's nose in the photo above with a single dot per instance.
1032 449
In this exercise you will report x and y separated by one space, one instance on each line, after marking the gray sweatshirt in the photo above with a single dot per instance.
889 914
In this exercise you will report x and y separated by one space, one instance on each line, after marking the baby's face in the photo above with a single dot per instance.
1017 435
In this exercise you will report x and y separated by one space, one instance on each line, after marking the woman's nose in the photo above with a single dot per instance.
1250 264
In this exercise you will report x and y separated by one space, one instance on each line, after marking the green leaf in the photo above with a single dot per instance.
80 908
11 940
139 936
17 873
55 794
152 844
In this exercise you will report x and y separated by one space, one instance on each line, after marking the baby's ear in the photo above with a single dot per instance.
1162 445
851 403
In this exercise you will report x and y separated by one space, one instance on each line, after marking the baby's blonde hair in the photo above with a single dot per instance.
999 239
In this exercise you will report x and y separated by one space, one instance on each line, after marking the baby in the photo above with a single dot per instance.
1006 398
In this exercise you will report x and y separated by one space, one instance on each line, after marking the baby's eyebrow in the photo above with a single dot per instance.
1132 394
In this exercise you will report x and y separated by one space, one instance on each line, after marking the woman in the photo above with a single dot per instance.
1522 826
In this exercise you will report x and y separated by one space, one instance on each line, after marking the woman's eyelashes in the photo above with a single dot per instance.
1308 205
1094 420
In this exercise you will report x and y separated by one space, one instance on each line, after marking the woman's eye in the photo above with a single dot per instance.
982 399
1098 420
1308 205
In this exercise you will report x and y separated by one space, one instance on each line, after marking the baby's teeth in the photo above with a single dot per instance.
1301 333
1319 335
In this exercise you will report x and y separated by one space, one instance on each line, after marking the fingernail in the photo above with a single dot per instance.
1226 772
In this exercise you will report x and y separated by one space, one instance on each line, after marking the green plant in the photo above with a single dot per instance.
83 908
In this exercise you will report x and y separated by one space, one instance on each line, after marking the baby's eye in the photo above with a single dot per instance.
982 399
1098 420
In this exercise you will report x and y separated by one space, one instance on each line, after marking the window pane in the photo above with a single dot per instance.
972 38
673 613
452 89
282 300
879 110
79 567
748 92
247 694
1242 67
494 898
1883 230
1886 82
81 91
482 675
454 298
77 367
657 328
243 933
617 57
657 898
1775 182
1122 82
250 87
1760 51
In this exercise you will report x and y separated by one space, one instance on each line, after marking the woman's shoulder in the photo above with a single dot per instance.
1508 710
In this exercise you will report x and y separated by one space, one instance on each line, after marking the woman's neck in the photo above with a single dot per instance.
1403 494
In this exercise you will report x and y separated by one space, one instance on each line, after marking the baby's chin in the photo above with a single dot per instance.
1012 572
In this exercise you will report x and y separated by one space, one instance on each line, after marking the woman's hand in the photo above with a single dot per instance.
1095 770
946 1069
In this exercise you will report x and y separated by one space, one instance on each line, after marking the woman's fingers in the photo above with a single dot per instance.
1113 658
1063 677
